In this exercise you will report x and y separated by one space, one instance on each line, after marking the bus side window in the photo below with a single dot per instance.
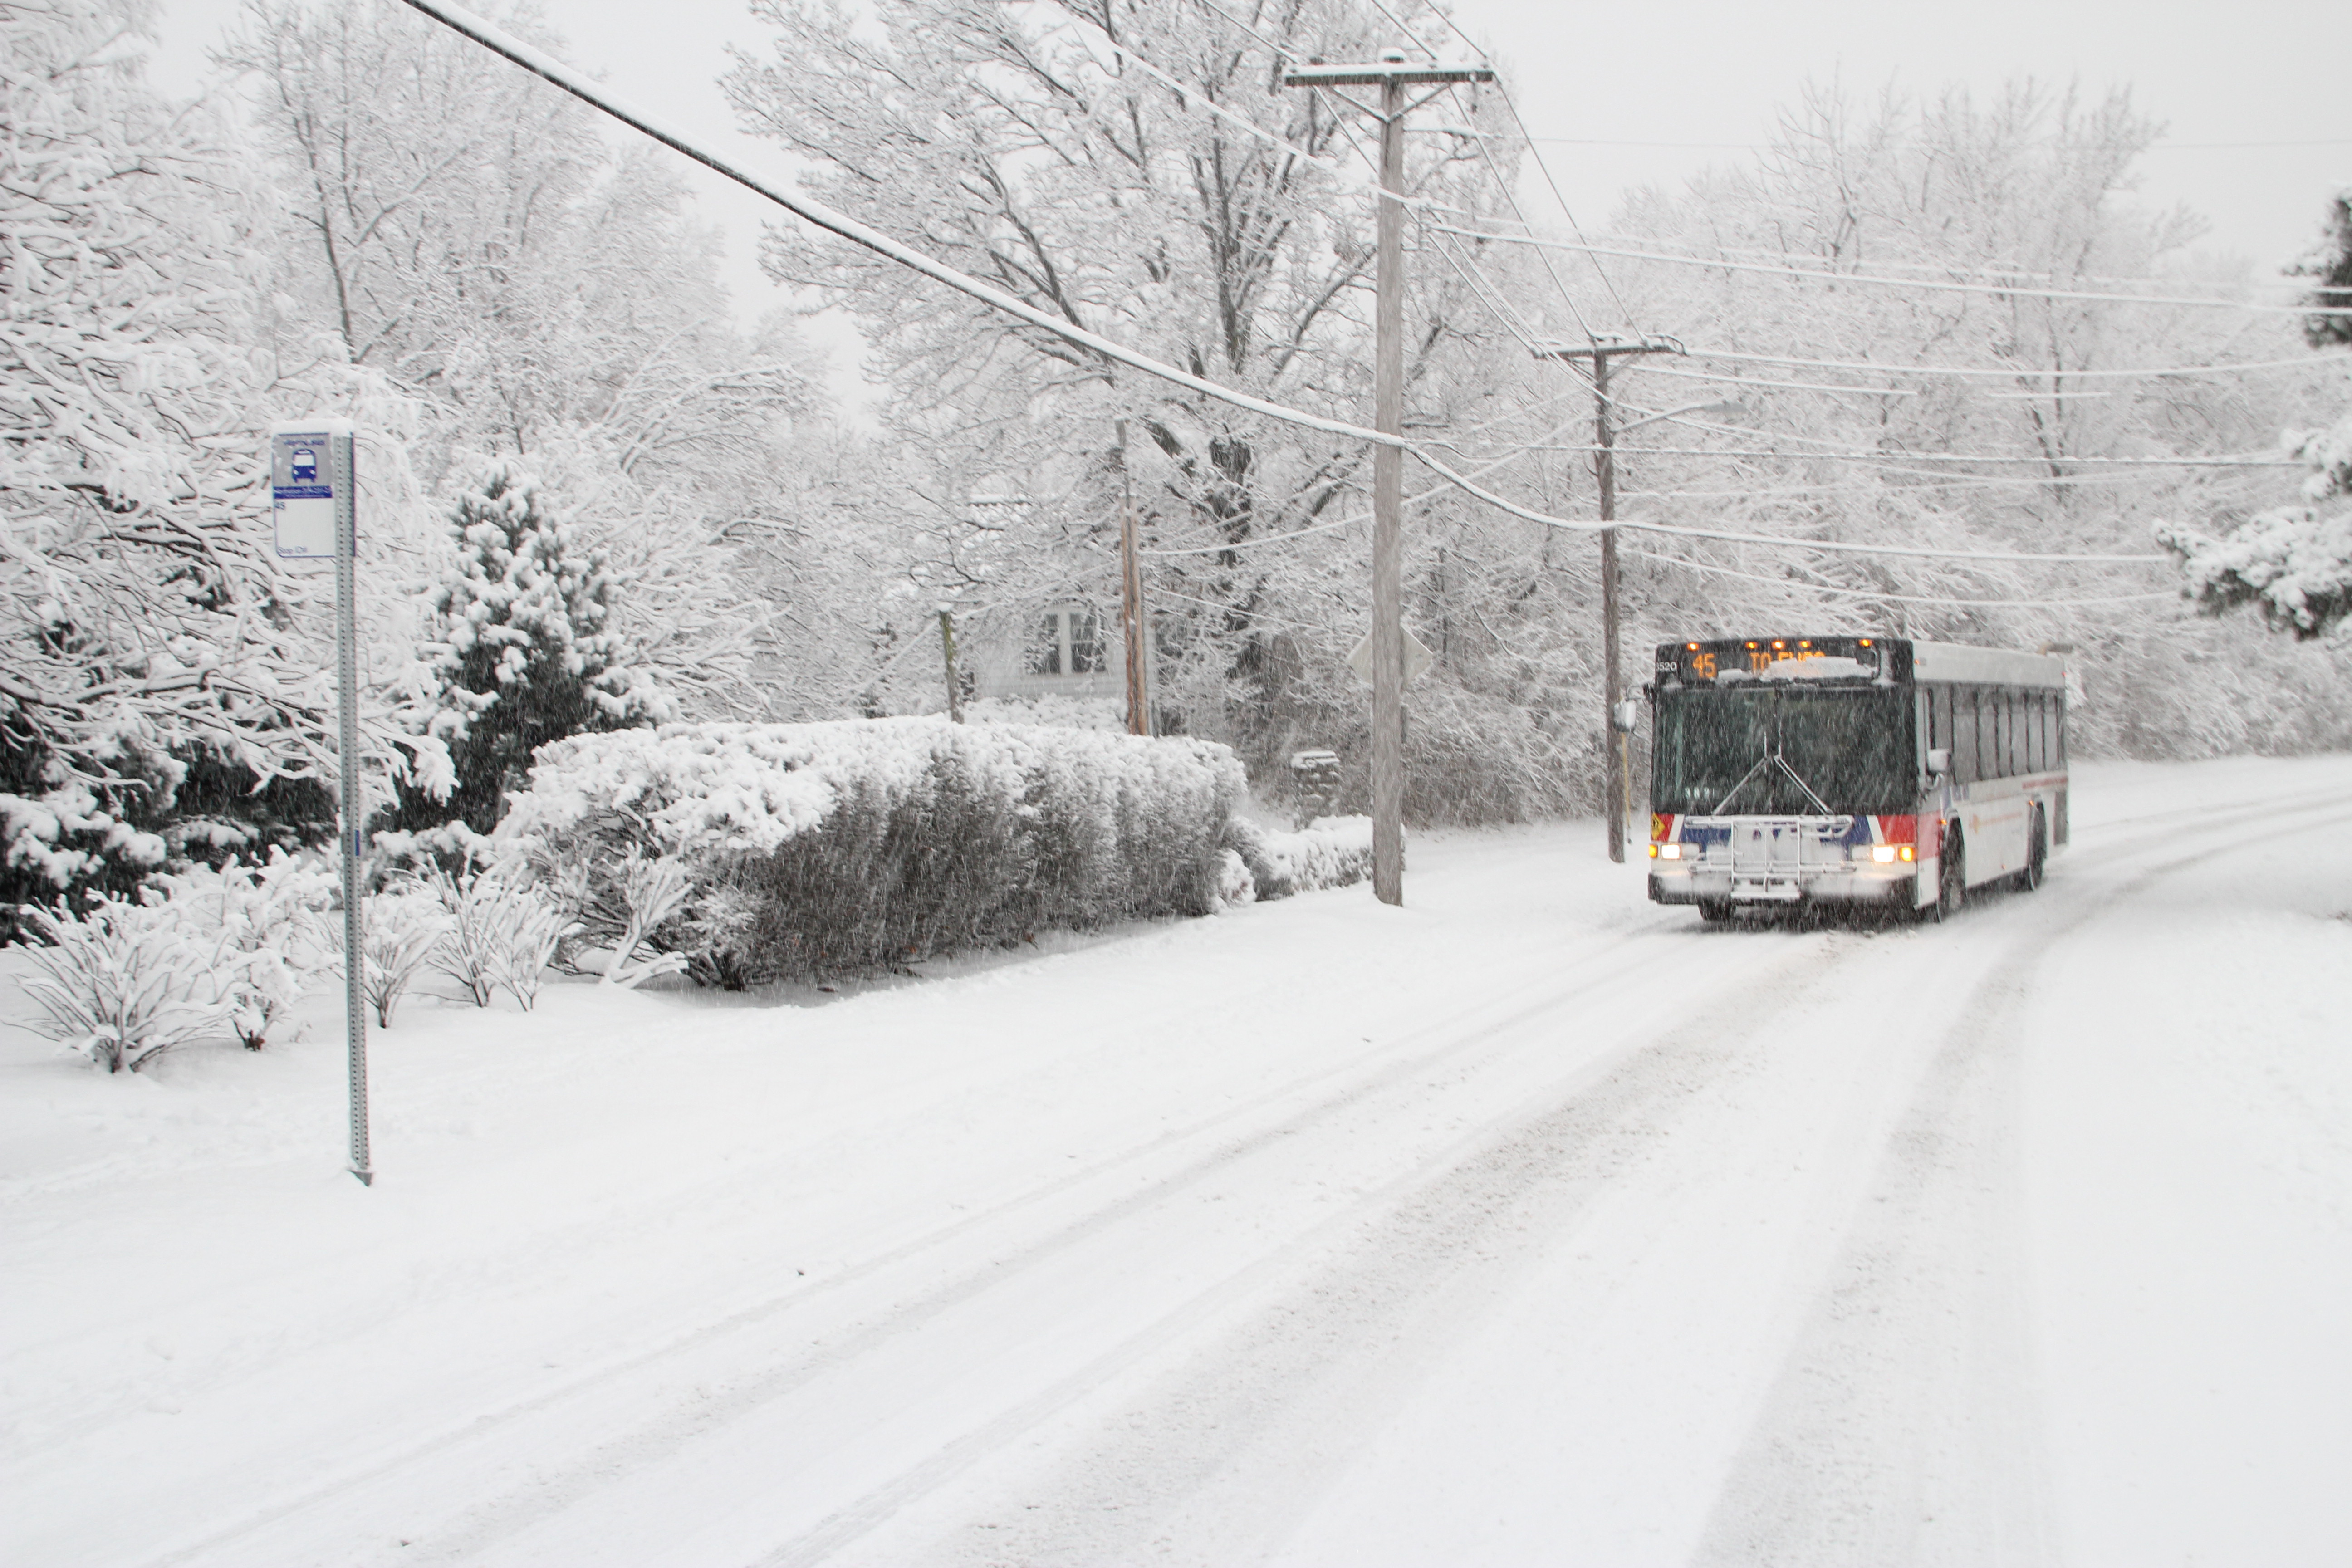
2012 704
1988 734
2035 759
1964 735
2058 730
1939 716
1997 738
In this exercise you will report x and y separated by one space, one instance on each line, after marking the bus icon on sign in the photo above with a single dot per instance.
305 465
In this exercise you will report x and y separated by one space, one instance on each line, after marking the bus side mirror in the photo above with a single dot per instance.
1628 716
1940 761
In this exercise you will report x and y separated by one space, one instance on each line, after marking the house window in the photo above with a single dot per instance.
1069 642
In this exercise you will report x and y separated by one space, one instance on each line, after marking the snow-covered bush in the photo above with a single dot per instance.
2292 562
501 933
653 892
405 924
861 844
1236 885
275 937
125 981
1330 852
524 941
1051 708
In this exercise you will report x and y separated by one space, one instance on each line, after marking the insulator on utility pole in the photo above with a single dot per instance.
1391 75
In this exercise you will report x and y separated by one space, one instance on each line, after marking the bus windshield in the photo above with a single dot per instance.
1852 747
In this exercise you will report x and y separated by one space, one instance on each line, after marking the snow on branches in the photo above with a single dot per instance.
143 629
522 652
2294 563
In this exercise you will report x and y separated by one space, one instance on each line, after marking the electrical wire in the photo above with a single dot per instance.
821 216
1902 598
1512 109
1875 280
1737 357
2225 460
1646 368
1195 94
1946 268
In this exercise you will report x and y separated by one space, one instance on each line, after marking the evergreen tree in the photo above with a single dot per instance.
520 651
2330 261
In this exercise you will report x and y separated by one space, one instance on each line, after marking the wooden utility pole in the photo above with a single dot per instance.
1391 75
1601 351
1130 601
946 648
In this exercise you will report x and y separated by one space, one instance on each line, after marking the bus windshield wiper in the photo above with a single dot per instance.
1762 762
1788 768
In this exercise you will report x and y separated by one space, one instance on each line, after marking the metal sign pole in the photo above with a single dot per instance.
314 506
347 683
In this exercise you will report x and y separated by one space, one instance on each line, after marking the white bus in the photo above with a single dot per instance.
1850 770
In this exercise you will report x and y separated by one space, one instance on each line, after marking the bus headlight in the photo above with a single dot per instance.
1887 854
1666 851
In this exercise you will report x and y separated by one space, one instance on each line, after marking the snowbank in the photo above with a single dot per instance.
1330 852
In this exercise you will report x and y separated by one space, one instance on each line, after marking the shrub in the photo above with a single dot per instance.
405 924
857 845
501 934
126 982
274 934
1330 852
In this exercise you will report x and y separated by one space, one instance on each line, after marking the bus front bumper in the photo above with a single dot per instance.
1840 884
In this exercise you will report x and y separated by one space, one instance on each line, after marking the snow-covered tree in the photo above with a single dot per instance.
142 630
463 229
2009 197
522 650
2293 564
2330 261
1046 152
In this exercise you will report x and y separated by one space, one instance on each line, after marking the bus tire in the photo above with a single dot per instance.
1951 874
1714 911
2037 854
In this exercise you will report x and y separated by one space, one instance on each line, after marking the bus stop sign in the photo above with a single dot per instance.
302 493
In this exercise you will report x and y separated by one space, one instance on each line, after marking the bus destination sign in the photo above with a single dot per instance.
1735 660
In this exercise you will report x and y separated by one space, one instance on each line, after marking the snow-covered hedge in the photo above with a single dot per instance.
860 844
1330 852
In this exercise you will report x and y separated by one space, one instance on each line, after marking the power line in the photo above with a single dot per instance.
1766 146
1735 357
1923 552
1919 457
1942 269
1902 598
821 216
1649 368
1877 280
1196 94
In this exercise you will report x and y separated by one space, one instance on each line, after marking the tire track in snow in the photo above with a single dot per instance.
1172 1479
1905 1426
550 1488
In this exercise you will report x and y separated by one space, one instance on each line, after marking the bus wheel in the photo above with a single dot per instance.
1951 876
2037 853
1714 911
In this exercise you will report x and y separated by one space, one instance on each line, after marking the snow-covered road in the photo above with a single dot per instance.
1530 1223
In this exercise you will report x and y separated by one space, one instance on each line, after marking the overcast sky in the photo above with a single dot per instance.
2260 126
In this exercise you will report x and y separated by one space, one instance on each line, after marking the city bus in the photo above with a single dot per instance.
1871 772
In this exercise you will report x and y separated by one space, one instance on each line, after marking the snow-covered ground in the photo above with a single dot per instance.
1529 1224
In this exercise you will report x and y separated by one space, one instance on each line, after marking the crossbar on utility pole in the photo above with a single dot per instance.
1391 75
1601 351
